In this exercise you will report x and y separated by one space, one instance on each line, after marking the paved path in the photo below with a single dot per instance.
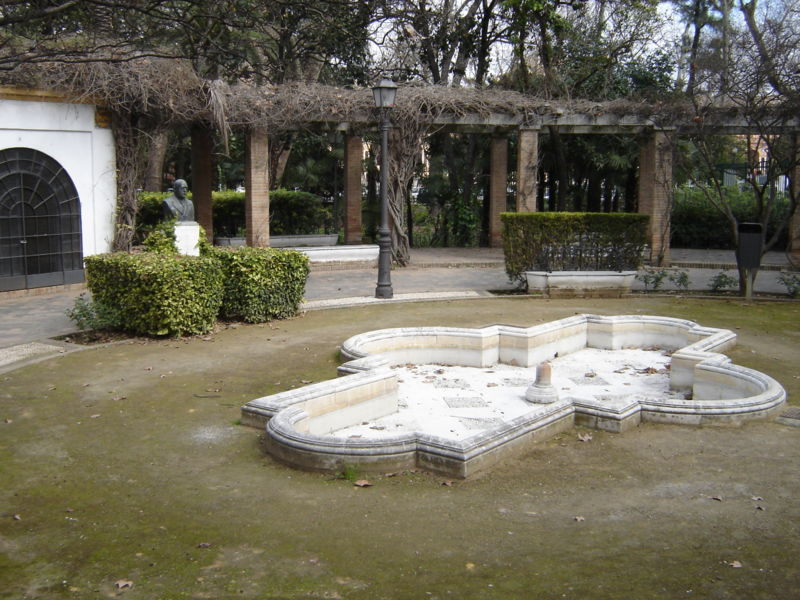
435 272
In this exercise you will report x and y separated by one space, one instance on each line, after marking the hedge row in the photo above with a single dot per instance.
696 223
564 241
167 294
261 284
157 294
291 212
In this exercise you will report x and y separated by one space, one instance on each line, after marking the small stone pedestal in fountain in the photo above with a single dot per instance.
542 391
187 237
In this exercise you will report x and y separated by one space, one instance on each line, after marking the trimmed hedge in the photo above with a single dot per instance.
565 241
696 223
227 211
168 294
157 294
261 283
296 213
291 212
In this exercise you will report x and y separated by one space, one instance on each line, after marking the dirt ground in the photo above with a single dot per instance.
124 472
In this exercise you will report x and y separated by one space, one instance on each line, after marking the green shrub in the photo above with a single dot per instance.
722 281
680 279
157 294
293 213
161 239
261 283
565 241
90 315
228 213
696 223
150 214
792 283
652 278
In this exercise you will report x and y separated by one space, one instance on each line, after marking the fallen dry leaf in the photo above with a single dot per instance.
362 483
756 498
8 421
447 482
305 381
735 564
17 518
585 437
470 566
579 519
204 545
123 584
717 498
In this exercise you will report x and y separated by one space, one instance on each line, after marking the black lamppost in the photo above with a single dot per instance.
384 94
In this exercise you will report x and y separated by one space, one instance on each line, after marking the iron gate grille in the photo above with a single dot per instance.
40 222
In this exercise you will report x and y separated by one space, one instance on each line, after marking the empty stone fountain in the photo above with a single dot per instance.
455 400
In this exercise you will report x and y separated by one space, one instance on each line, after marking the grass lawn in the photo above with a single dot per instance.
123 472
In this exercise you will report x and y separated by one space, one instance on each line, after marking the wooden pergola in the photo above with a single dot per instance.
656 145
163 93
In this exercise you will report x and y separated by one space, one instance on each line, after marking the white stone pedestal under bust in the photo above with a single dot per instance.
187 237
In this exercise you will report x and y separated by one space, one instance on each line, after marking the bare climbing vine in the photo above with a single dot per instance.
148 94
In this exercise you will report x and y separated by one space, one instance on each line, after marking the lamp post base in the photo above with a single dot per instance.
384 288
384 292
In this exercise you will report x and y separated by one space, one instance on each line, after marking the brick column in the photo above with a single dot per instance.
527 169
498 182
794 224
256 183
203 178
353 159
655 192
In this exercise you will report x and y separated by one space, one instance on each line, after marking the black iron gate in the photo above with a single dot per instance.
40 222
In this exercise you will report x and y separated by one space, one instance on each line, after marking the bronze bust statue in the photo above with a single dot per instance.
178 206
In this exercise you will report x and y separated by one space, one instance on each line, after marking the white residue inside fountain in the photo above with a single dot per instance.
458 402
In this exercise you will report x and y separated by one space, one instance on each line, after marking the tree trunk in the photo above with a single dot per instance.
698 28
594 191
562 171
154 173
279 152
130 144
631 187
540 192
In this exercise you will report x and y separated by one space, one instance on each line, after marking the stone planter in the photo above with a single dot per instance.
285 241
607 284
296 241
229 241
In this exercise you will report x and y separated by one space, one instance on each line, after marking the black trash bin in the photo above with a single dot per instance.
751 243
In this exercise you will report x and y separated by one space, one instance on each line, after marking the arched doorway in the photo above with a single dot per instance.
40 222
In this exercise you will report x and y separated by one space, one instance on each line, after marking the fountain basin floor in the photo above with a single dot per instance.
452 400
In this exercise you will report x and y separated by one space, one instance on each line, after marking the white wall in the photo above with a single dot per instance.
68 133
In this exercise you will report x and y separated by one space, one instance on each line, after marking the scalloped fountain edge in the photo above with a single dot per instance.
299 422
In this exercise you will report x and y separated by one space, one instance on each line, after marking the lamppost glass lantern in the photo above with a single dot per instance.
384 94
